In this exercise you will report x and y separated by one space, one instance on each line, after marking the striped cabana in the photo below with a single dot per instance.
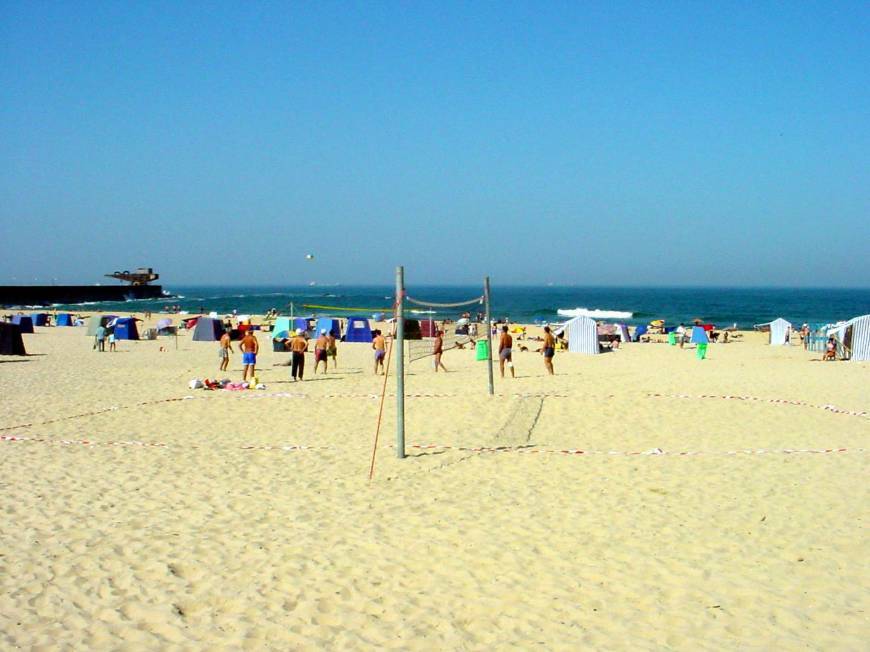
582 335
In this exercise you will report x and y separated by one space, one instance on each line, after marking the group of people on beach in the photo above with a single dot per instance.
505 351
325 347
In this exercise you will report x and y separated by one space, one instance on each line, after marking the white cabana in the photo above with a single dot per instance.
780 331
582 335
854 335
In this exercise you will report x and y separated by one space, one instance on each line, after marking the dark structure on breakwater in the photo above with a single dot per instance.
43 295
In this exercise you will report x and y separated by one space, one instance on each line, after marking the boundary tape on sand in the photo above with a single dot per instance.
295 395
527 450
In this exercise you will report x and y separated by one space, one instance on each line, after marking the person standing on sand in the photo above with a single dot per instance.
438 350
320 346
549 349
224 351
379 344
249 347
505 352
100 339
332 349
298 346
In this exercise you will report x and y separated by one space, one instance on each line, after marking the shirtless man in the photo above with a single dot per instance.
320 347
505 354
298 346
438 349
249 346
549 349
379 344
225 350
332 349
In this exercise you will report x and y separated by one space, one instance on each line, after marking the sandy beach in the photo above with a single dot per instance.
639 500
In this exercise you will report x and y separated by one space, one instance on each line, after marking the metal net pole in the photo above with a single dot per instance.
488 333
400 362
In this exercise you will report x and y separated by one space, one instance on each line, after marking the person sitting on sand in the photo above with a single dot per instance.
320 346
549 350
505 352
438 350
249 347
831 349
379 344
298 346
224 351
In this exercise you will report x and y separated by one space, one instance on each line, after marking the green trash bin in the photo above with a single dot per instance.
482 350
672 338
701 351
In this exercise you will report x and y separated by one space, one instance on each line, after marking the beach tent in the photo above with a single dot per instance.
39 318
10 340
281 328
622 331
582 335
358 330
699 335
412 329
165 327
97 321
125 329
780 330
428 328
24 322
64 319
329 325
640 330
854 336
305 324
208 329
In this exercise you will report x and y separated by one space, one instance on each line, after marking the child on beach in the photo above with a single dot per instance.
224 351
438 350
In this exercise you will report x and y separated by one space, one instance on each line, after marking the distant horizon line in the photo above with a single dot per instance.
529 285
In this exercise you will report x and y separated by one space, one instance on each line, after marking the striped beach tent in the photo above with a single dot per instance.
854 335
582 335
780 330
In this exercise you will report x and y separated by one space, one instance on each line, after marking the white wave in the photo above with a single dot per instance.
594 313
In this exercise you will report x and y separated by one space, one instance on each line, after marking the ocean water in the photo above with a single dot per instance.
720 306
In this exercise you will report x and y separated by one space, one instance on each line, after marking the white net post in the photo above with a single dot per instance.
399 345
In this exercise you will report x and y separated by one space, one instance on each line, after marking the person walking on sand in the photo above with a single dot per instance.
298 346
549 349
438 350
249 346
110 329
379 344
320 348
332 349
505 353
224 351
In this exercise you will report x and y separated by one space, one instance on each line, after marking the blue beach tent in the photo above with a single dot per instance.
24 322
640 330
65 319
699 336
358 330
329 325
39 318
125 329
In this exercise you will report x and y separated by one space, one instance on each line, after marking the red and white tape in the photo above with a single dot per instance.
756 399
527 450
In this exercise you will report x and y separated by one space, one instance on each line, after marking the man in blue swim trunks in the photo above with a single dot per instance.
549 350
249 347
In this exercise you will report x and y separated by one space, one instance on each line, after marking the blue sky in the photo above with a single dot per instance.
576 143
